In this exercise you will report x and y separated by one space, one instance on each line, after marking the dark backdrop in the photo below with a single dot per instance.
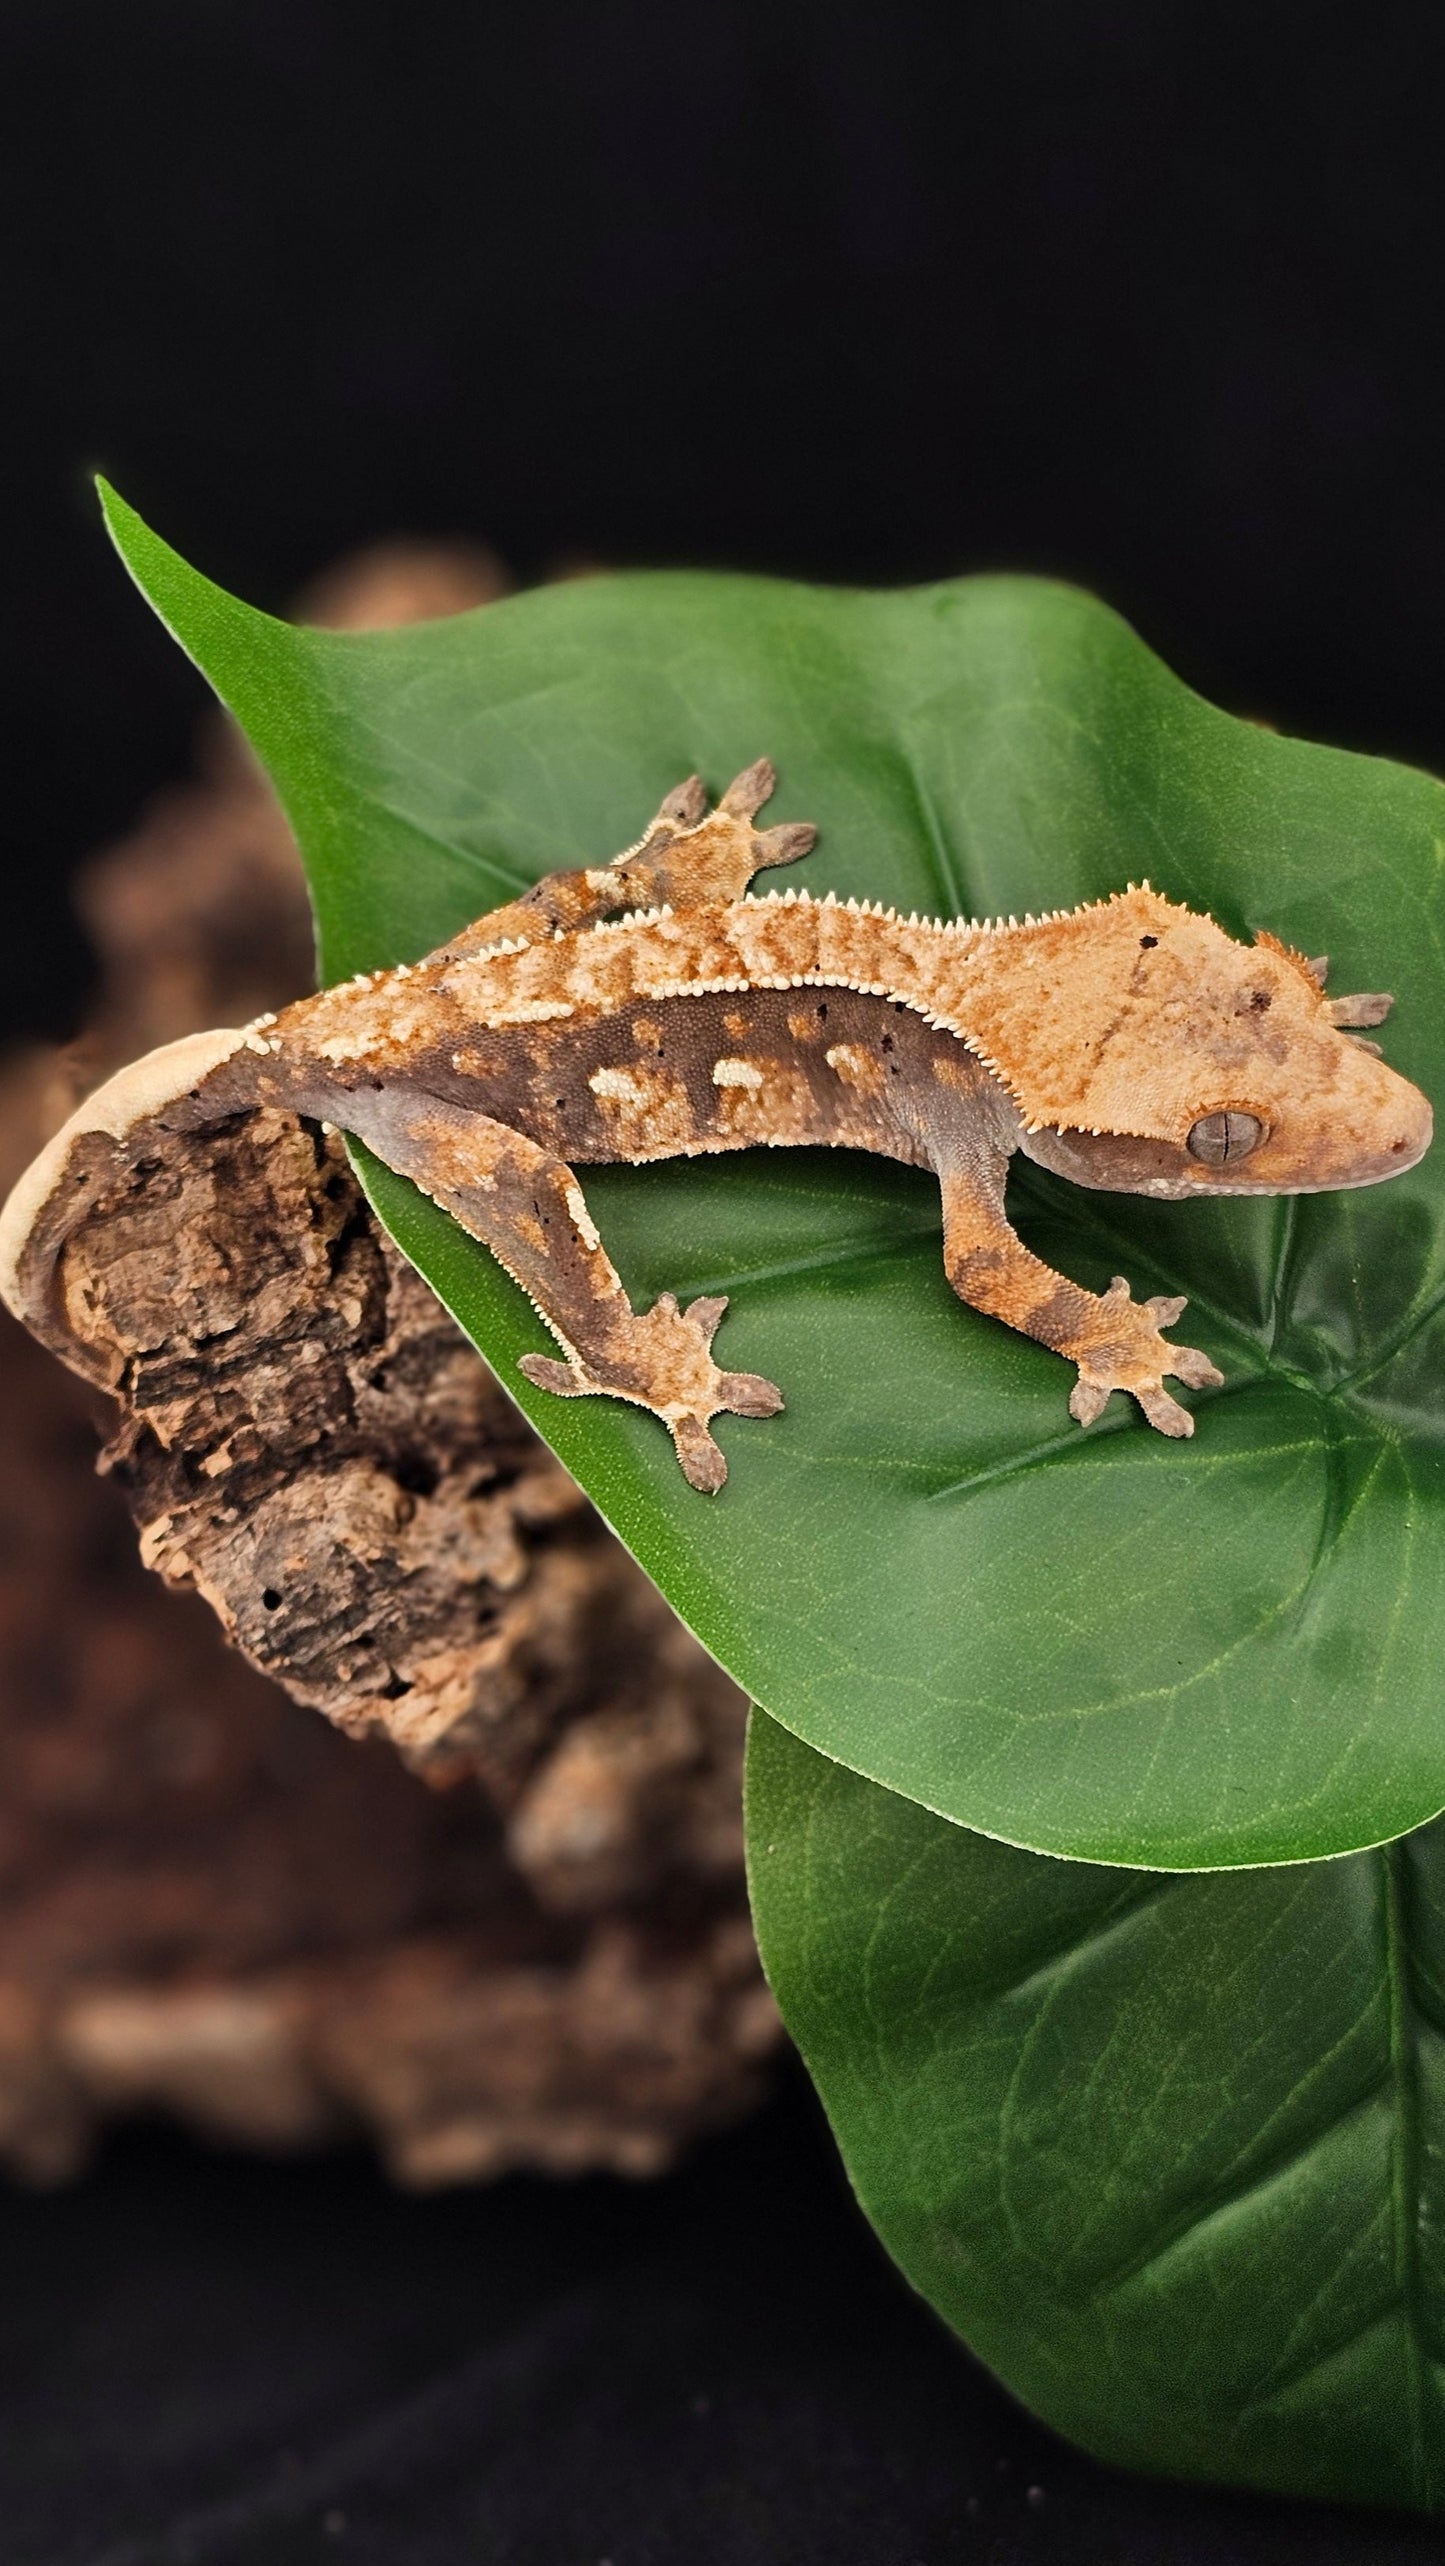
1148 295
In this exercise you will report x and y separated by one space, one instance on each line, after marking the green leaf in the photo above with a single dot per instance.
1102 1645
1169 2152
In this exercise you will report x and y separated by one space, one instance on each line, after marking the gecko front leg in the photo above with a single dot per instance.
1116 1341
528 1208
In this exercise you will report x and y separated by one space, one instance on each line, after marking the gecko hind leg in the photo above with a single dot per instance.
529 1209
687 855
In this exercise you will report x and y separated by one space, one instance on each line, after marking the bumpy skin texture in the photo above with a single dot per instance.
651 1008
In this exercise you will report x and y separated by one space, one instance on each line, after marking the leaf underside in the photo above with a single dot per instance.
1101 1645
1169 2152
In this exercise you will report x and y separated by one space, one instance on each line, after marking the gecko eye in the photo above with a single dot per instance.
1216 1138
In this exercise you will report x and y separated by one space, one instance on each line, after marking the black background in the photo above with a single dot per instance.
1148 295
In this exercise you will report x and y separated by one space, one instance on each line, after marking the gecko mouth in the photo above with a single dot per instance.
1169 1171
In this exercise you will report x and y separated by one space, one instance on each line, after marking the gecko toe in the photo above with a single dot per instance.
786 844
1088 1401
1190 1366
748 791
684 806
1165 1413
1167 1307
703 1466
546 1373
747 1394
705 1314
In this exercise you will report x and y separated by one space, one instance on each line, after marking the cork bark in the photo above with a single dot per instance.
499 1918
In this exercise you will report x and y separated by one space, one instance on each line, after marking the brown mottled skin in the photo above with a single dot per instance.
650 1008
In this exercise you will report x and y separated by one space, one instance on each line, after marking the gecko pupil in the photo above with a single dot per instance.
1218 1138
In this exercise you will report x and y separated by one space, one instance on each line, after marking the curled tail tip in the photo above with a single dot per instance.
143 1089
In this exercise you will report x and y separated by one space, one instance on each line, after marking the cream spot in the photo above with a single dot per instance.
582 1220
528 1011
856 1067
774 1107
649 1114
618 1085
339 1047
736 1073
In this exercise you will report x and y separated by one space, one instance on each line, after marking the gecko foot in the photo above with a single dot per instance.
690 855
663 1361
1131 1354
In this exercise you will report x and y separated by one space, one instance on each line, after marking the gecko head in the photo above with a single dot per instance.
1200 1065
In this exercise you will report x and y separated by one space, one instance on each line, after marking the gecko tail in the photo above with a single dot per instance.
49 1202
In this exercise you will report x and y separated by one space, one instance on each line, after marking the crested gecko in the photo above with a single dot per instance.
655 1007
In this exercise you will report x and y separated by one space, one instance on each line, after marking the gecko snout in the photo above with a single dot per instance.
1416 1129
1382 1125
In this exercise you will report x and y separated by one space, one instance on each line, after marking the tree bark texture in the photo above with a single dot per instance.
505 1924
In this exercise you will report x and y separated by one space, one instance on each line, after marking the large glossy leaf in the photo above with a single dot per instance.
1169 2152
1104 1645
